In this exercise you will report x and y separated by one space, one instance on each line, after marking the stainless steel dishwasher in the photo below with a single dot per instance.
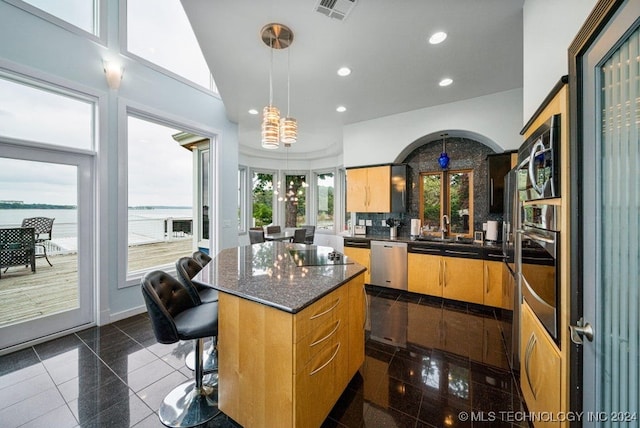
389 264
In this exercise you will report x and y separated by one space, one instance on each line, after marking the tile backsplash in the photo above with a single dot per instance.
464 153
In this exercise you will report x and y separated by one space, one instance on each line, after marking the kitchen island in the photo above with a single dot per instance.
291 331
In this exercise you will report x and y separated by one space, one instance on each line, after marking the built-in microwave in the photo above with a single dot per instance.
539 163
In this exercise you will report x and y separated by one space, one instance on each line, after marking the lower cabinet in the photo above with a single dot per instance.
465 279
288 370
361 256
424 274
539 368
493 288
462 279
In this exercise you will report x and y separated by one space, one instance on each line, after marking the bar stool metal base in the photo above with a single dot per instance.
189 406
209 360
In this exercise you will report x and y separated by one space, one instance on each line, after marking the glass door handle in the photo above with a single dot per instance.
582 329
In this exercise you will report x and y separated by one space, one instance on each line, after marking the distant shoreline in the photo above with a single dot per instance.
21 206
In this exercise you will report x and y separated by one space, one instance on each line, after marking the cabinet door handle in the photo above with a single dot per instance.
486 280
328 361
366 307
444 272
327 336
327 311
527 358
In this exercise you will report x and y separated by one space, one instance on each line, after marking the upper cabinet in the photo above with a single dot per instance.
377 189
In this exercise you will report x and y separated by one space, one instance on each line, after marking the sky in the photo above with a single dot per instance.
160 171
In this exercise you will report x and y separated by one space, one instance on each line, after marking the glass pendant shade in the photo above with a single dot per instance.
288 130
270 127
443 160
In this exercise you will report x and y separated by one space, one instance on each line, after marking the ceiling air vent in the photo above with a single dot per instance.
338 9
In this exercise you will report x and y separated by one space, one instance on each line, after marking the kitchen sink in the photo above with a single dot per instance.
452 240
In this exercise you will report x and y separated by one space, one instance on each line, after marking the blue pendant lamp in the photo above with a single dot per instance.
443 160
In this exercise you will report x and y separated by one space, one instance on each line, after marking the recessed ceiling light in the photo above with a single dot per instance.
341 109
445 82
437 37
344 71
253 111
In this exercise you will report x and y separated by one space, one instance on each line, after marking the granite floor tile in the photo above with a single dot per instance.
60 417
18 360
26 410
117 375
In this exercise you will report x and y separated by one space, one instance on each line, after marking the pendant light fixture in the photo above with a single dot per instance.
276 36
288 125
443 160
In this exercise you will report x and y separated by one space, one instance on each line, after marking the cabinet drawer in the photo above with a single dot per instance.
320 314
321 381
313 343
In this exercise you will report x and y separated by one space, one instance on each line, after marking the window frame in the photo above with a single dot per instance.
99 21
123 19
243 204
128 108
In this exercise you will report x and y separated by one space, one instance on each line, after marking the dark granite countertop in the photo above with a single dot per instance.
266 273
485 250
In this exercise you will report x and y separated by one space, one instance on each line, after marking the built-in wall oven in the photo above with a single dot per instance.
539 264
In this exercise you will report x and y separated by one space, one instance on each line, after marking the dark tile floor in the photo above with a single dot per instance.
428 363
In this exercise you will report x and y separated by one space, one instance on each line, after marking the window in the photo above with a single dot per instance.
295 198
242 192
23 105
325 190
203 198
79 13
447 193
262 198
160 196
159 32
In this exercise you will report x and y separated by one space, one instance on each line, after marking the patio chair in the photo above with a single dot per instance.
256 236
273 229
17 248
42 227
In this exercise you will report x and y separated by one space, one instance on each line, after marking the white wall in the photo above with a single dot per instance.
549 28
38 48
494 120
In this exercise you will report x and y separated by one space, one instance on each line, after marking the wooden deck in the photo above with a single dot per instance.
25 295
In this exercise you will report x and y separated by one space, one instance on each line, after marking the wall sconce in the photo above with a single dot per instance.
113 73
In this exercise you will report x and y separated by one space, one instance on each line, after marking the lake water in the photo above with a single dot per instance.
65 224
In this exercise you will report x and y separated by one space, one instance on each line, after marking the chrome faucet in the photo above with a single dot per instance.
443 226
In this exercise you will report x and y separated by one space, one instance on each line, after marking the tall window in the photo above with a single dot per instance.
242 186
160 196
324 201
80 13
295 200
262 197
23 105
159 32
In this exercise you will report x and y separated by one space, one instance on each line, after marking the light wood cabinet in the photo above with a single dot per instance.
289 369
362 256
377 189
357 190
424 274
539 368
462 279
493 287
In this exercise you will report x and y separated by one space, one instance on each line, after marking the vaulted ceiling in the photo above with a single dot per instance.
394 68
